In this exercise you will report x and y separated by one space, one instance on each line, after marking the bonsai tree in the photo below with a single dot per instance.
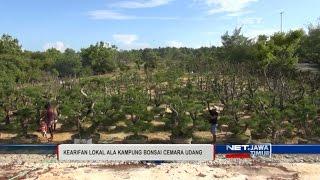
88 104
6 99
27 100
185 108
178 119
269 121
303 117
25 116
107 112
135 105
76 108
193 102
99 103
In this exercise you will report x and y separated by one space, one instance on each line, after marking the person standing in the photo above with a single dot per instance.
214 123
49 117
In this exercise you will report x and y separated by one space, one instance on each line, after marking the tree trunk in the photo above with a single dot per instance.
7 120
24 127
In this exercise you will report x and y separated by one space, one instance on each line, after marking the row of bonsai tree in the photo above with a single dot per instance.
255 82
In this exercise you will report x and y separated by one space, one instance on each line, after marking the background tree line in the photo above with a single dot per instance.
256 81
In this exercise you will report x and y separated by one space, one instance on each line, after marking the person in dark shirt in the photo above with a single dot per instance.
49 117
214 122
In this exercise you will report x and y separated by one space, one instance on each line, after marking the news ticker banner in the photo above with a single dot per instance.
157 152
248 150
281 149
136 152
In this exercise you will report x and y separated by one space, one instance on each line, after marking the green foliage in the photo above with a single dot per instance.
74 106
135 105
150 58
68 64
202 124
107 111
303 116
100 57
52 54
237 48
252 78
310 48
178 119
281 49
9 45
27 101
24 116
12 68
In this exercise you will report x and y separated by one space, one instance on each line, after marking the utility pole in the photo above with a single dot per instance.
281 16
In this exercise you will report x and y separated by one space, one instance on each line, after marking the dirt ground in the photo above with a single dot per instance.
47 167
114 136
31 166
63 137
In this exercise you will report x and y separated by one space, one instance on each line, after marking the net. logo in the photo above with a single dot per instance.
248 151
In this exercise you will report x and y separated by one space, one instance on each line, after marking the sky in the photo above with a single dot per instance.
135 24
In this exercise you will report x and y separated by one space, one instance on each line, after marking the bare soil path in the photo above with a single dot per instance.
47 167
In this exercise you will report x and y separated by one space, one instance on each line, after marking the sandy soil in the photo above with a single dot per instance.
47 167
23 166
109 137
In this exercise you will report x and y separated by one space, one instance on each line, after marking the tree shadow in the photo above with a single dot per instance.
19 139
159 141
157 128
118 129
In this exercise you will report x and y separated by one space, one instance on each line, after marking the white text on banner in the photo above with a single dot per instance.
136 152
